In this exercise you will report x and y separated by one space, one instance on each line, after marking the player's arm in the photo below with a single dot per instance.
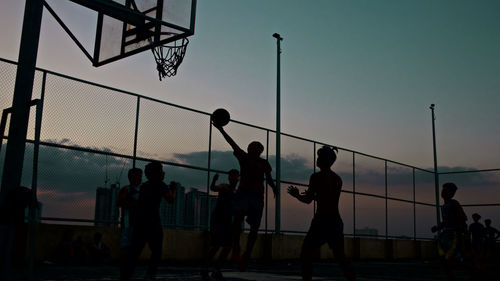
228 138
497 233
214 187
270 182
170 194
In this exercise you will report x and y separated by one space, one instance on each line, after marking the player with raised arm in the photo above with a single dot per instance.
327 226
221 224
249 199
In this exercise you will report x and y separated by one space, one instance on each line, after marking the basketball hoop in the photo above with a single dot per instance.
168 57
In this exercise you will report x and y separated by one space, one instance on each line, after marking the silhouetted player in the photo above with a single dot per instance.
327 226
249 199
221 224
147 227
127 201
491 234
477 235
453 228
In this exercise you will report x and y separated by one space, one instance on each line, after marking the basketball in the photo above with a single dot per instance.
220 117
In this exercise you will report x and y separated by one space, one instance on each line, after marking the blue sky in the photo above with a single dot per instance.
359 74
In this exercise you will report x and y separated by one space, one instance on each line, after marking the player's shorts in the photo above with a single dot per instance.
250 204
451 244
325 229
221 230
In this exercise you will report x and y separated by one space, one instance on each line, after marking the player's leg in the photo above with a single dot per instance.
306 258
208 261
137 243
236 231
254 217
252 238
336 243
155 242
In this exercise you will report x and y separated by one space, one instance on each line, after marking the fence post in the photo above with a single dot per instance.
34 181
314 170
414 209
354 194
208 171
436 174
267 186
386 209
136 129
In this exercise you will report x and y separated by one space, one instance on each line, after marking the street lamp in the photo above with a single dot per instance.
278 137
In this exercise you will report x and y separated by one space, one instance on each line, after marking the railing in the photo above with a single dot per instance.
92 132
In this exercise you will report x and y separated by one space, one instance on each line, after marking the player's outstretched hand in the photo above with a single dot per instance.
216 177
434 229
294 191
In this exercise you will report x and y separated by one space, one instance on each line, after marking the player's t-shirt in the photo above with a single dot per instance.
252 172
326 187
476 230
225 198
148 205
453 215
127 198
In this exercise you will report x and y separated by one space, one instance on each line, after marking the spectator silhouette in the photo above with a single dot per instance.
491 236
327 226
477 236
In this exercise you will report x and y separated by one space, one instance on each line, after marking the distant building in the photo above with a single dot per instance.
106 209
367 231
196 208
172 214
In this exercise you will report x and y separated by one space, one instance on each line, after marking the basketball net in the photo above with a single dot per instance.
169 57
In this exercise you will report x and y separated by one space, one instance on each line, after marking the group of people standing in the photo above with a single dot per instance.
242 197
458 242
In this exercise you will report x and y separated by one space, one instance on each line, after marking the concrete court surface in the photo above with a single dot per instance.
273 271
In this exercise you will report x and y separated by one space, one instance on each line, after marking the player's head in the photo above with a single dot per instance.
255 148
326 156
135 176
154 171
476 217
487 222
233 176
449 190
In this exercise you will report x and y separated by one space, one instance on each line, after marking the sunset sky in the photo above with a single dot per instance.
357 74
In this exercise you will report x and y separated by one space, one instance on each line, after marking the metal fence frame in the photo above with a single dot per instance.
209 170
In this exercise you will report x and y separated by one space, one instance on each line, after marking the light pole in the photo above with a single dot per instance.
277 223
436 175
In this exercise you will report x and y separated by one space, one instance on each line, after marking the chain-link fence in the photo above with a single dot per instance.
92 134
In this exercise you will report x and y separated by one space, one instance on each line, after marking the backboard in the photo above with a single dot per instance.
127 27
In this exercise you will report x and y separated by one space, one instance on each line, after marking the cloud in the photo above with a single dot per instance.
68 178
